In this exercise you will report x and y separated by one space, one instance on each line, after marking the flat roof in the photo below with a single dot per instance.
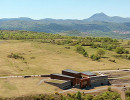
63 75
71 71
56 81
98 76
88 73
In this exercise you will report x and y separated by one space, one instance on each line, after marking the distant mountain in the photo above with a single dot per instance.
98 23
20 18
105 18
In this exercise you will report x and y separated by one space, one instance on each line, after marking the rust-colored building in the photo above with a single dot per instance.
81 79
64 77
84 82
74 76
72 73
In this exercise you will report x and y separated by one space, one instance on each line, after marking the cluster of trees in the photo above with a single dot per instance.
19 35
81 50
109 95
121 50
98 55
25 35
100 52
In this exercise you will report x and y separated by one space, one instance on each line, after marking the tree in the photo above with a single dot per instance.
100 52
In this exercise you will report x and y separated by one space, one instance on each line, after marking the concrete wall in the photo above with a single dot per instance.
65 85
98 81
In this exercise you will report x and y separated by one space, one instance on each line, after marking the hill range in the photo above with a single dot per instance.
99 24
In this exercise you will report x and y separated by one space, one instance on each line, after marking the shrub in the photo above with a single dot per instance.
80 49
112 60
109 48
127 93
128 57
109 89
67 47
128 42
100 52
85 54
78 95
74 43
15 56
120 50
126 51
94 57
89 97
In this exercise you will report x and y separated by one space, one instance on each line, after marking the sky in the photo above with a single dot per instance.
63 9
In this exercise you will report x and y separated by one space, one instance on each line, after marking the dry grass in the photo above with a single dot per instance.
21 86
43 58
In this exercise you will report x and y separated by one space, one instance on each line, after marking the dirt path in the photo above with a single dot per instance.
41 81
105 71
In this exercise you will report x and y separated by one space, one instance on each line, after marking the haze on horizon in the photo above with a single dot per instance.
63 9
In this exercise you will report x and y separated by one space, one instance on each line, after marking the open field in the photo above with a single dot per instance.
45 58
14 87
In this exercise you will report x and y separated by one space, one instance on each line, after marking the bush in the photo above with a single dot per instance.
89 97
127 93
109 88
85 54
15 56
100 52
120 50
122 56
78 95
109 48
94 57
128 57
80 49
126 51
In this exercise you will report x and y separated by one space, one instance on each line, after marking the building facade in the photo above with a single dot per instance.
81 79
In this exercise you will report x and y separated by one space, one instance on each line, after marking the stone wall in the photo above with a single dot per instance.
98 80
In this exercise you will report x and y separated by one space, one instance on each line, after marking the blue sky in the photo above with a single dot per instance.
63 9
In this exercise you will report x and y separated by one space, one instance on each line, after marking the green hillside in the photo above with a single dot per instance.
97 25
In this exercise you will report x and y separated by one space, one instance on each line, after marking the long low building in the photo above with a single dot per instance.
81 79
